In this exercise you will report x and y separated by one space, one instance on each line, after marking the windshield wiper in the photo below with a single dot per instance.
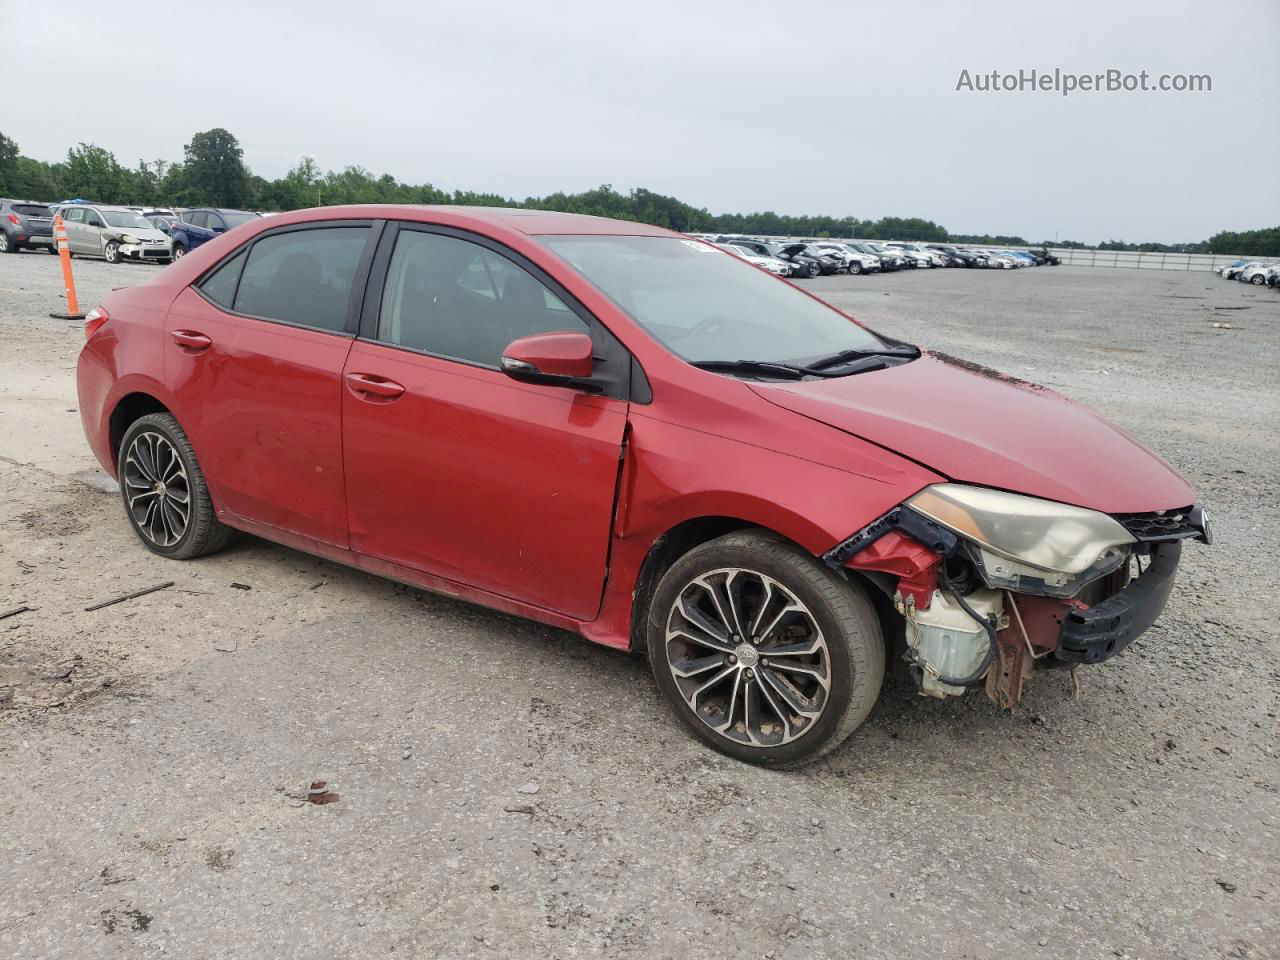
785 371
845 356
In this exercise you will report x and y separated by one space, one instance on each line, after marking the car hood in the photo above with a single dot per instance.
976 425
150 234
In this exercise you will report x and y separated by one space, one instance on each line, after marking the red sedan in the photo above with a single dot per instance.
618 430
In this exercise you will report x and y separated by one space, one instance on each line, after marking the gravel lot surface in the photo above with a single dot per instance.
505 790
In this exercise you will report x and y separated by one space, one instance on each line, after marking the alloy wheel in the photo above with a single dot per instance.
157 492
748 657
112 252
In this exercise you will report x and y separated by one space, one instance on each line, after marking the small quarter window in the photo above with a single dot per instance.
220 286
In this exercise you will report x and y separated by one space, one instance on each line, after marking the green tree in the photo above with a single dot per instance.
93 173
214 169
8 164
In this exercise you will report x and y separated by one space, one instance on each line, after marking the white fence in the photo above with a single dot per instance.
1146 261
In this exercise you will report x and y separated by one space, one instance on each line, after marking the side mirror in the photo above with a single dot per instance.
551 359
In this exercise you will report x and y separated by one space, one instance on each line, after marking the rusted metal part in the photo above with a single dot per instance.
1010 672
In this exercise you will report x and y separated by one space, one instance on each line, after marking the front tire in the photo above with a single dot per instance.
855 268
111 252
179 251
1257 279
165 495
765 654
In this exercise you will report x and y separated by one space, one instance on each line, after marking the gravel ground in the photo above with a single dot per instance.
505 790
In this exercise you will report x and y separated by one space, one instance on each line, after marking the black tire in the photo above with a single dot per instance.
6 244
179 251
1258 279
111 251
838 613
855 268
53 249
202 533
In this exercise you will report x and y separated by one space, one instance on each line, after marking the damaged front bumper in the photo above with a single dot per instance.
968 622
1099 632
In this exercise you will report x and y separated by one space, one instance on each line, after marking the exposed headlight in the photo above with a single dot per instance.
1025 543
128 238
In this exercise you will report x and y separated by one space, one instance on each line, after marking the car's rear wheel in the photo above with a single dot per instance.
7 245
164 491
764 653
111 252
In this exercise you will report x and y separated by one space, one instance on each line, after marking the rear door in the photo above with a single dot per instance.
254 358
197 227
452 467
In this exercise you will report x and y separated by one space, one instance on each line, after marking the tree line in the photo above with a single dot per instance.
212 172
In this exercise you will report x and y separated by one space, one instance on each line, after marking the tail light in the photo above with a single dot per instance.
94 319
14 220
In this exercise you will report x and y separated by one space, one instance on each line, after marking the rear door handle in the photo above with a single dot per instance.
367 386
190 341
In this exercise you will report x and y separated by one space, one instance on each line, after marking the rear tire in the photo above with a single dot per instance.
164 492
7 245
764 653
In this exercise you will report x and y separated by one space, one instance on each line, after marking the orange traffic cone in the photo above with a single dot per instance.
64 254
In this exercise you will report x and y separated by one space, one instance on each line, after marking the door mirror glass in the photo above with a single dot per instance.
552 359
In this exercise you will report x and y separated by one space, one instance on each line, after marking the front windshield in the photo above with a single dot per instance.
236 218
704 306
125 218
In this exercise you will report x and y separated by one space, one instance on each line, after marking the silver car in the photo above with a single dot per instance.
113 233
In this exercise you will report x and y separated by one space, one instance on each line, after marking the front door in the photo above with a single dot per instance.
452 467
254 357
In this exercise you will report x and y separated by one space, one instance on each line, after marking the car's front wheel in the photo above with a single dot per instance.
179 251
111 251
1258 279
764 653
164 491
855 267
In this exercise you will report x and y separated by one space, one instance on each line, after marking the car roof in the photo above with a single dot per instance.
531 222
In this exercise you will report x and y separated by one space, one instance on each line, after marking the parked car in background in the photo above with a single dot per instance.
854 261
775 266
889 259
913 256
1255 273
163 224
802 266
25 224
201 224
113 233
955 256
609 429
934 257
1230 271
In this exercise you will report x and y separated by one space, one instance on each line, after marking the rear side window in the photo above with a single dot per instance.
220 286
304 277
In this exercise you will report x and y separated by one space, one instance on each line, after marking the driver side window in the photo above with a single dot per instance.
458 299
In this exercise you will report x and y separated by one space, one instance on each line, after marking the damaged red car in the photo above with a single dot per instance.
624 432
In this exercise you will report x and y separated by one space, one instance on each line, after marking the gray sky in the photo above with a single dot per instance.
812 107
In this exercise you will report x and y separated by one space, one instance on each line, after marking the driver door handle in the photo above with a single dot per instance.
190 341
367 386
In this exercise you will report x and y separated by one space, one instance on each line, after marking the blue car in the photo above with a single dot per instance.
196 226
